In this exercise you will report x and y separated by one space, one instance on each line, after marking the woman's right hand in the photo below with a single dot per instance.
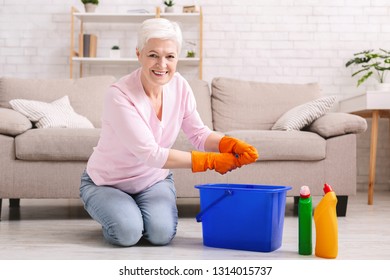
220 162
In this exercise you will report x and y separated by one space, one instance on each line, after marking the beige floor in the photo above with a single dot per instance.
61 230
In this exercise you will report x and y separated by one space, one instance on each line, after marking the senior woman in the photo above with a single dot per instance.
127 186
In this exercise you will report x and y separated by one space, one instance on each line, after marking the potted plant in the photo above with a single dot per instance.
190 49
115 52
169 6
190 53
90 5
372 64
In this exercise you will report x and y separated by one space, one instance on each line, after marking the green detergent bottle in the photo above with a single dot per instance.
305 208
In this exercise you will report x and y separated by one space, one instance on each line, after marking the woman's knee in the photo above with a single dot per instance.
160 232
123 234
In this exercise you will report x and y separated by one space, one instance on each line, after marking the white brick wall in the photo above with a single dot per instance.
276 41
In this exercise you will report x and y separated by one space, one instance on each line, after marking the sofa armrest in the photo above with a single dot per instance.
12 122
335 124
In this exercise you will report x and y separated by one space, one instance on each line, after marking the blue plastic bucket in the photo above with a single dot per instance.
242 217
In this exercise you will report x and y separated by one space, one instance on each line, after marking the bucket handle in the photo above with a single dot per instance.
201 213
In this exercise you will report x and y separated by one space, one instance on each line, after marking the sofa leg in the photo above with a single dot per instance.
14 202
295 209
341 208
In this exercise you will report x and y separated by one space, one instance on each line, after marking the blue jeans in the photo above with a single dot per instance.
125 219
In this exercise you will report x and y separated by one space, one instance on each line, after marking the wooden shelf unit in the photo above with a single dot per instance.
129 18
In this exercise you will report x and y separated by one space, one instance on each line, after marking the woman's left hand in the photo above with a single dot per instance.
245 152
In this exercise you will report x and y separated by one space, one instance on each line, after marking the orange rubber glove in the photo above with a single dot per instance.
221 162
246 153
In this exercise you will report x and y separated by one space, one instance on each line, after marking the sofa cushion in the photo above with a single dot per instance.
59 144
203 100
85 94
182 143
335 124
238 104
12 122
58 113
284 145
303 115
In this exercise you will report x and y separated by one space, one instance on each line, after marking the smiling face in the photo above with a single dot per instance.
158 60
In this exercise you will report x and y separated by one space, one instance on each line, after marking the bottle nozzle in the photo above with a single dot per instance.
327 188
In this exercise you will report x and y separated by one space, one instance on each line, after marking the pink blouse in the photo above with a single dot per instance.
134 144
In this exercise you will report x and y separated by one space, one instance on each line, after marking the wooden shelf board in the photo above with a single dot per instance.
133 17
113 18
108 60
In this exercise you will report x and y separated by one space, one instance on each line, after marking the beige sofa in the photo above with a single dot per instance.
48 162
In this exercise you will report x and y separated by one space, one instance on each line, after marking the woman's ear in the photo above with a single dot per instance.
137 52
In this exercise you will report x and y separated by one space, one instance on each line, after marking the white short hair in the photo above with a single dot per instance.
159 28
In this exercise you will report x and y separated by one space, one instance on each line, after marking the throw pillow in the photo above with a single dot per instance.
334 124
58 114
303 115
13 123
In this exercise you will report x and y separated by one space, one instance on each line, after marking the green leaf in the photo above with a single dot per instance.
380 68
363 52
372 55
371 65
350 62
364 78
361 70
358 60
